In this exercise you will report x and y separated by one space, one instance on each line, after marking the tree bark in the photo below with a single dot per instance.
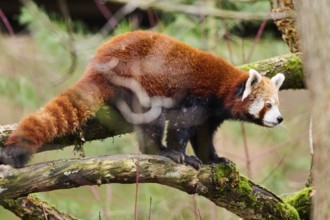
315 34
32 208
287 26
290 65
302 201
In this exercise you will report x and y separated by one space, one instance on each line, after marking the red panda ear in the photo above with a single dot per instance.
253 80
278 80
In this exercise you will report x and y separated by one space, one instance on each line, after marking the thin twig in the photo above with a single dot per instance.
69 42
150 202
256 40
272 172
118 16
205 11
136 188
103 9
7 23
246 150
309 181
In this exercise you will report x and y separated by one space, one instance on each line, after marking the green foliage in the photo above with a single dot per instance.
191 32
23 90
124 26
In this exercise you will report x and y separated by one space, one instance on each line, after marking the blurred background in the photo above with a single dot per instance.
45 47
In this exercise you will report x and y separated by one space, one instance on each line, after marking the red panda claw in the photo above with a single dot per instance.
193 161
173 155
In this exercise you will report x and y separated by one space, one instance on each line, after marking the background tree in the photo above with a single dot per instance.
315 35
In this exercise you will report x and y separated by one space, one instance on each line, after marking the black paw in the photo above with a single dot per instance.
14 156
173 155
193 161
224 160
179 157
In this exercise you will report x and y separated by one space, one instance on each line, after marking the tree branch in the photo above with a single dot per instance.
220 183
289 64
32 208
302 201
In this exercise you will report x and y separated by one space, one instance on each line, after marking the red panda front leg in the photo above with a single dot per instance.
150 136
178 136
202 142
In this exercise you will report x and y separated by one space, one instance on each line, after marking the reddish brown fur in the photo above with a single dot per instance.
62 115
159 63
183 66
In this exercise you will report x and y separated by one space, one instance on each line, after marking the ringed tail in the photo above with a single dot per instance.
62 115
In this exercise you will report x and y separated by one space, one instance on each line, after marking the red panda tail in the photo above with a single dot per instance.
62 115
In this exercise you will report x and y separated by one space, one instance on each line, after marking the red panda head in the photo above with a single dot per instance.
258 100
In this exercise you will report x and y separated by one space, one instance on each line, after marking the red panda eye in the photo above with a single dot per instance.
268 105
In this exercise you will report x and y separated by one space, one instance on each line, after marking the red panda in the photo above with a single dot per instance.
151 78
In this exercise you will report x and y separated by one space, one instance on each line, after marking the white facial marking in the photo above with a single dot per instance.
256 107
271 117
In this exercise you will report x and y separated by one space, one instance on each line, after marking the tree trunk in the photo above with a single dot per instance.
314 25
287 26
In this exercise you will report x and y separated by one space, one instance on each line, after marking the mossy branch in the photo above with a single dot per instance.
302 201
221 183
32 208
290 65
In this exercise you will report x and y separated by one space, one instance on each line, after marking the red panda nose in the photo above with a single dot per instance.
279 119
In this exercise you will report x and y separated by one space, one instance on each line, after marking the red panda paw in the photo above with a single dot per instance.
14 156
193 161
176 156
217 159
179 157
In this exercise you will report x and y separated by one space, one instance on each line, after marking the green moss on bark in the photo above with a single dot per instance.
246 198
302 202
290 65
33 208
